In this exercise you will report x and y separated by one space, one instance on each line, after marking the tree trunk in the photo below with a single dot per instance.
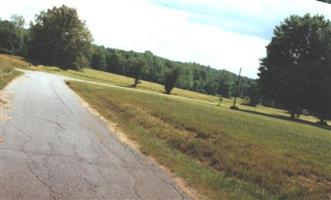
136 81
322 120
292 114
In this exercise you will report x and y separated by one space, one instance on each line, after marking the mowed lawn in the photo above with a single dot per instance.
223 154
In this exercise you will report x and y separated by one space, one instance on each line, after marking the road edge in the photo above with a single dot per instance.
121 136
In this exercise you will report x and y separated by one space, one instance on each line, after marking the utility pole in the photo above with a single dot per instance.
236 92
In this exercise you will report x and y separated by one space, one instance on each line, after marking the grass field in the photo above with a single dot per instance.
104 77
224 154
123 81
254 153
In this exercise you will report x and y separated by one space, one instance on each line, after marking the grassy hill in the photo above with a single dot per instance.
253 153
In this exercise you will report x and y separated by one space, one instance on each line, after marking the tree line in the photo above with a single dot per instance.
294 75
58 37
193 76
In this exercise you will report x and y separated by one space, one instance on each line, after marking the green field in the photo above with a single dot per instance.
222 153
109 78
123 81
254 153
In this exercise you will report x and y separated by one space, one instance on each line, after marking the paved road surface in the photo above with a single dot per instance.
53 148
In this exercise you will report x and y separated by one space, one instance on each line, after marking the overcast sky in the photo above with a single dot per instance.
224 34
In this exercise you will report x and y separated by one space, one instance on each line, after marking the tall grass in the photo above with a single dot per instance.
7 71
13 62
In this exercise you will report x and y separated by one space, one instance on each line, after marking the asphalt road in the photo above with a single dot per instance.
53 148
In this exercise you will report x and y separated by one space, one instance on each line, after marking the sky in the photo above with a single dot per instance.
223 34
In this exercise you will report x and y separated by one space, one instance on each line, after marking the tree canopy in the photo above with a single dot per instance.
13 36
297 68
59 37
137 68
171 78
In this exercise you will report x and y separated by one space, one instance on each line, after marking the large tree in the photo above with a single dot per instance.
59 37
296 70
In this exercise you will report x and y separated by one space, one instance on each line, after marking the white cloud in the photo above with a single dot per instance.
142 25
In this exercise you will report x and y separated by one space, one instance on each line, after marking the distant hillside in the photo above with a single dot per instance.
15 39
195 77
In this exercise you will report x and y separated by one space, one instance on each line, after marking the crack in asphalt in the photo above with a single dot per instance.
51 191
59 97
51 121
124 166
92 186
74 156
22 149
144 166
171 184
21 131
155 171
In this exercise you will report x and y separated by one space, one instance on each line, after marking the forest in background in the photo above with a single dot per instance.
194 76
15 39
